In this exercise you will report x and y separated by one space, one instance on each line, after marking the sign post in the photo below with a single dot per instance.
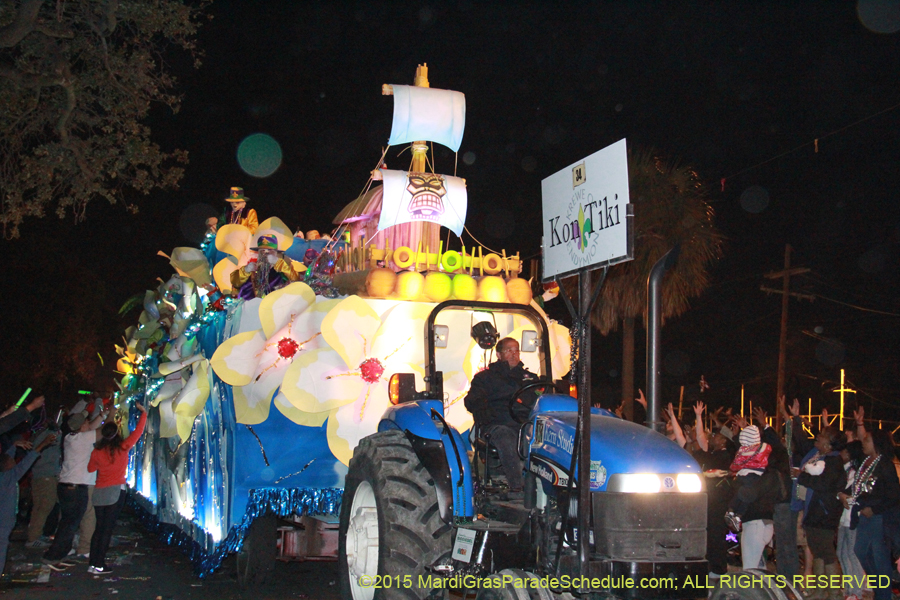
587 226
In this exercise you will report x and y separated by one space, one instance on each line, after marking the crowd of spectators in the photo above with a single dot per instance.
833 493
72 509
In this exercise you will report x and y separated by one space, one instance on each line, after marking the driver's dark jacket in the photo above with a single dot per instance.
492 390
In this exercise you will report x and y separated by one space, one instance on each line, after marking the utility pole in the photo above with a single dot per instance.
785 276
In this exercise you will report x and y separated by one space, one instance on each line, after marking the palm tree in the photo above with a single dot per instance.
669 208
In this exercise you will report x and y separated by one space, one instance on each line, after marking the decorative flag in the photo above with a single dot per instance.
428 114
410 197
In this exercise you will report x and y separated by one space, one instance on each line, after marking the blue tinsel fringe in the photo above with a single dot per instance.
282 502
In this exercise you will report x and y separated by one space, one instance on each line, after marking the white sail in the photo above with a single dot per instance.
428 114
410 197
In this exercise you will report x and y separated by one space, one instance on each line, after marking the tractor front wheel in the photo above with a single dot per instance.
391 529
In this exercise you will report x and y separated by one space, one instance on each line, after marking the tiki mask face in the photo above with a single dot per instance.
427 191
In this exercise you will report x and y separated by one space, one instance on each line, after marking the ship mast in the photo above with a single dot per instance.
424 232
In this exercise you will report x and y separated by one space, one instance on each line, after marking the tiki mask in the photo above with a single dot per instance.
427 190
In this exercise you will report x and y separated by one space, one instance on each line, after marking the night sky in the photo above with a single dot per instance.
739 91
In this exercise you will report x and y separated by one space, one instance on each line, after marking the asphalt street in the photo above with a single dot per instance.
146 568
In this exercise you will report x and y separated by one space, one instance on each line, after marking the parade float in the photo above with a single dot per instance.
259 394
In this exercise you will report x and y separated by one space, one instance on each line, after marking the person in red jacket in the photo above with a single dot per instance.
110 460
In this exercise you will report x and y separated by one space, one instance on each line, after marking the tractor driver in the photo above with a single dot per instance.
489 400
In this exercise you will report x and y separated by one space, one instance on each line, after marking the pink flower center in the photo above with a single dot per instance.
287 347
371 370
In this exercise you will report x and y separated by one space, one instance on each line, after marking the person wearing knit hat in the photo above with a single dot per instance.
747 468
749 436
238 212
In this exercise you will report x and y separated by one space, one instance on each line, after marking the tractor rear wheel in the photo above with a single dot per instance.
391 529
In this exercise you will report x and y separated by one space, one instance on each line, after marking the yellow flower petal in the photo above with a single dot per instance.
169 388
309 322
222 273
560 349
339 446
275 226
400 339
192 263
350 329
352 422
277 308
236 360
252 403
298 416
167 427
319 381
233 240
190 402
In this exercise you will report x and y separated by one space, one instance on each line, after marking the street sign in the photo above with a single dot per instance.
587 216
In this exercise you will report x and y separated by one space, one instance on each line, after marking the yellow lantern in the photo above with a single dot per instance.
464 287
380 283
438 286
492 289
519 291
409 285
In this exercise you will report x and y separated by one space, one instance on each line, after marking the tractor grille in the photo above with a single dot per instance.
657 527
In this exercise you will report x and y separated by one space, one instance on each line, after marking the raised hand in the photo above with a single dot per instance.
670 410
699 407
739 421
761 416
35 404
640 399
795 408
717 416
782 407
47 441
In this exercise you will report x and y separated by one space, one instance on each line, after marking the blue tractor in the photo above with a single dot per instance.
423 512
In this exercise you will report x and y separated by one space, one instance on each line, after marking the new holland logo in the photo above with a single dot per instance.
548 472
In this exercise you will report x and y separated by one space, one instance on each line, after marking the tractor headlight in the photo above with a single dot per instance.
638 483
688 483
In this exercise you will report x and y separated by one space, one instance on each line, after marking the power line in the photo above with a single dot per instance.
814 142
863 308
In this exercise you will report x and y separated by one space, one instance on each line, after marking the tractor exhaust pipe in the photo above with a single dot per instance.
654 347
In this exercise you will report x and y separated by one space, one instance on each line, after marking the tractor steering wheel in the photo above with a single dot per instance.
520 411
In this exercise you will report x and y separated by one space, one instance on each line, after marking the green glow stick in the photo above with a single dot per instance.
22 399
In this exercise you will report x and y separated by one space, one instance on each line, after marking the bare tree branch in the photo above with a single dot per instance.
22 25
